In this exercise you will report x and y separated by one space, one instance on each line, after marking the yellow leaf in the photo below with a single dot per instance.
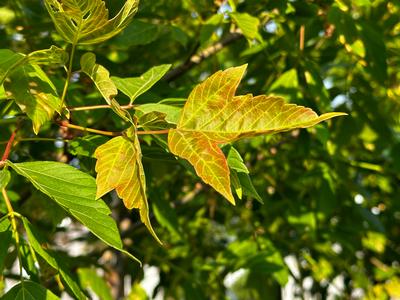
213 115
119 166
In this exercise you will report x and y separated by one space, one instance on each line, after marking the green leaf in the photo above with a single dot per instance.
153 120
9 61
179 35
172 113
213 115
3 94
29 290
101 78
259 257
235 160
210 27
136 86
138 33
74 191
235 182
86 21
29 260
6 239
90 279
5 177
376 52
248 187
37 242
34 93
164 213
52 56
248 25
87 145
344 23
119 166
240 174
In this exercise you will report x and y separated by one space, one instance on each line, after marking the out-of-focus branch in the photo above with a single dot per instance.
202 55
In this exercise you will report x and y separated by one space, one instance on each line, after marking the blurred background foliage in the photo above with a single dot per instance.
330 220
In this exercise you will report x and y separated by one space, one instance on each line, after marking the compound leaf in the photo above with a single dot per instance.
119 167
136 86
213 116
86 21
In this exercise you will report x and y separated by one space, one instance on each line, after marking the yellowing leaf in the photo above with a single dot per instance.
86 21
213 115
119 166
101 78
206 157
9 60
34 93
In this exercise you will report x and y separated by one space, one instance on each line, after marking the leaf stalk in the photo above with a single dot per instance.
85 129
12 214
108 133
95 107
69 74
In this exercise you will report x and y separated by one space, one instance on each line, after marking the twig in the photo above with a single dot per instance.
108 133
204 54
36 139
302 33
9 145
85 129
94 107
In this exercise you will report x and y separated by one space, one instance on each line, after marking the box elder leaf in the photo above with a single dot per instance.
213 116
119 166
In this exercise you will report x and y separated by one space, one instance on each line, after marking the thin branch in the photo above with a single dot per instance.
108 133
302 34
85 129
9 145
202 55
37 139
94 107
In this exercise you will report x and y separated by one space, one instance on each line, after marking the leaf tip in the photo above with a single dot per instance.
331 115
231 199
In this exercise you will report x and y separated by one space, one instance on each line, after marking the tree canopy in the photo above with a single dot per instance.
243 149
